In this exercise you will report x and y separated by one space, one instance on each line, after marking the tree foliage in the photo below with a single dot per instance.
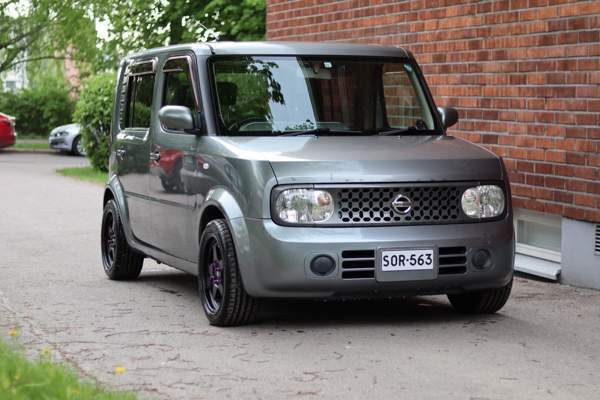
45 29
140 24
93 113
39 109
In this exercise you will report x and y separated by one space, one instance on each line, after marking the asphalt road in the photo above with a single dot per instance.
543 345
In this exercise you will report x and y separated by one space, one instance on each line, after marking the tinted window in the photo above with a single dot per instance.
178 89
274 95
140 106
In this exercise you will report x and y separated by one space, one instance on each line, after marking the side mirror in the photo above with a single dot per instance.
177 118
449 116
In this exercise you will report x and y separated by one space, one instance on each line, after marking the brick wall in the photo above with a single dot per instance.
524 75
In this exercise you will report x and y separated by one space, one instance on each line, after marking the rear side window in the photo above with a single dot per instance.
142 87
137 92
178 86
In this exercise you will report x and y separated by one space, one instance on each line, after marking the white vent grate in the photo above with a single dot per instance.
597 241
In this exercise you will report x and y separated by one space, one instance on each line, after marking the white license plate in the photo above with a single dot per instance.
407 260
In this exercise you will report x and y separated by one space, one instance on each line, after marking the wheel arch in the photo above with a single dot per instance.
220 203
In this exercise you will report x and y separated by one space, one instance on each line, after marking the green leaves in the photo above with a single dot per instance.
142 24
45 29
94 113
40 109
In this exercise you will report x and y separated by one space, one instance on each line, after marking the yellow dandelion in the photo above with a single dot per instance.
46 352
120 370
13 333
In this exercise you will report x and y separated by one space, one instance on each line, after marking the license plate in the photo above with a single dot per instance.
407 260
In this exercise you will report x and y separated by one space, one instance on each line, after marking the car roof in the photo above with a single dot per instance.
282 48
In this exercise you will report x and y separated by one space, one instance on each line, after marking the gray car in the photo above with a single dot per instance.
301 170
67 138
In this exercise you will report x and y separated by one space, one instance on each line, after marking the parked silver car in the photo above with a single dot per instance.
67 138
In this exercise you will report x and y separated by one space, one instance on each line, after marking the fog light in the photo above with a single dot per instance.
322 265
481 259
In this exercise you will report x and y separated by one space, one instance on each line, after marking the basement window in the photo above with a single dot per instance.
538 243
538 234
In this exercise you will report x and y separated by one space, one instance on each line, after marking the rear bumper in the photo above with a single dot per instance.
7 141
274 260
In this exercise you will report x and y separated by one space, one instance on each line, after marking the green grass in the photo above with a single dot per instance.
31 145
21 379
88 174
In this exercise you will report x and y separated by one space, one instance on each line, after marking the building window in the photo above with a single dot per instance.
538 235
10 86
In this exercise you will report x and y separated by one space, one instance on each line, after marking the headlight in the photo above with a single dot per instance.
304 206
484 201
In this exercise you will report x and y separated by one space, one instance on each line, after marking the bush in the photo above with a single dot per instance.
40 109
93 112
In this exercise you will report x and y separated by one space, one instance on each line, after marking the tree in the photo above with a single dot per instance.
138 24
93 112
45 29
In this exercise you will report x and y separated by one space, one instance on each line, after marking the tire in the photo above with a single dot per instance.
119 260
481 302
77 147
222 292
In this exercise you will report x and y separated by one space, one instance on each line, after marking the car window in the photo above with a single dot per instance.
178 87
402 102
140 100
259 95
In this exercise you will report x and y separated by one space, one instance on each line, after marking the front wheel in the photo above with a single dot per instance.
120 261
222 293
77 147
481 302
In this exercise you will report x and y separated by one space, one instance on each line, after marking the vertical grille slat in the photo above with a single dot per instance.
597 241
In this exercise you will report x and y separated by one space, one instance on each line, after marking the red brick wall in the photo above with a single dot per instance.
524 75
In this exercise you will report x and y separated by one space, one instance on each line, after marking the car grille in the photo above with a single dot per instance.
452 260
430 204
360 264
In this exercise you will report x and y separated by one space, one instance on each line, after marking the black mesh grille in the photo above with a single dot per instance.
373 205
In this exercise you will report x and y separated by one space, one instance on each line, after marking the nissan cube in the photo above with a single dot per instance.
300 170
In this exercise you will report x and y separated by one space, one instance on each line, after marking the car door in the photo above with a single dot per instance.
173 153
132 143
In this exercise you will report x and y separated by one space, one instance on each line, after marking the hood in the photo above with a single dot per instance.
68 128
327 159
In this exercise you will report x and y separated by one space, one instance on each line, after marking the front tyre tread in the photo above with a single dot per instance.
237 306
481 302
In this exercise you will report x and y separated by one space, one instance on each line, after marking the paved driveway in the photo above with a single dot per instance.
544 343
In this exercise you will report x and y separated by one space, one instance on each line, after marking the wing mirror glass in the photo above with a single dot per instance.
449 116
178 118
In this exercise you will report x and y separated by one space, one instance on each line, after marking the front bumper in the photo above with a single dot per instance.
274 260
59 143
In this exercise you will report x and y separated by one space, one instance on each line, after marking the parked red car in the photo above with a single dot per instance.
7 131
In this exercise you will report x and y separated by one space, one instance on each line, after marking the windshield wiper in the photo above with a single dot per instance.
411 130
316 131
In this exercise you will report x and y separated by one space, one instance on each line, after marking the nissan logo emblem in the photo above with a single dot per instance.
402 204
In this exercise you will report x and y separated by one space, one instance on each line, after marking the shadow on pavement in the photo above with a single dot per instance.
312 313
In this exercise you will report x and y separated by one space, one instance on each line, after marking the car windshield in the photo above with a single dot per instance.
292 95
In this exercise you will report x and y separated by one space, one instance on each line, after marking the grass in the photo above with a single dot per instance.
31 145
87 174
21 379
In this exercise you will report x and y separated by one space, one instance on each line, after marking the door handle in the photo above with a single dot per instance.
121 153
155 156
